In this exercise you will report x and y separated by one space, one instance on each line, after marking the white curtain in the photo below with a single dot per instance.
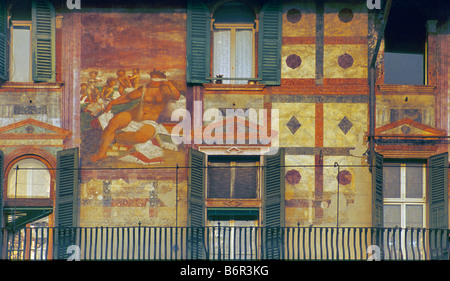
222 53
244 55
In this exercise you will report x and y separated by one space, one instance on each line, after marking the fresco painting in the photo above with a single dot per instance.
126 101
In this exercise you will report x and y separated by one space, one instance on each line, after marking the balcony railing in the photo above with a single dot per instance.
225 243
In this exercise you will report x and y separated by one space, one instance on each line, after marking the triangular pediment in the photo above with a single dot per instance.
31 128
240 129
408 127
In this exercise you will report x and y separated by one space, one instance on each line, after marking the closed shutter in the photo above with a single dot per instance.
66 209
3 42
43 41
273 208
196 203
269 46
377 182
438 190
198 42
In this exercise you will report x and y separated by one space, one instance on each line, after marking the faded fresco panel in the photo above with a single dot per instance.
132 79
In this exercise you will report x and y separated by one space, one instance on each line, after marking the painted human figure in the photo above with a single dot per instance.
137 125
124 81
134 79
91 90
108 89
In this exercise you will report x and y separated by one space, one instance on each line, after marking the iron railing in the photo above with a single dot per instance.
224 243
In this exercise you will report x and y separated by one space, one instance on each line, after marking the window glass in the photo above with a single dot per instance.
233 178
391 180
392 215
20 54
414 180
414 216
33 180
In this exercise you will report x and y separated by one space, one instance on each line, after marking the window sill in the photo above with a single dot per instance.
31 85
234 87
407 89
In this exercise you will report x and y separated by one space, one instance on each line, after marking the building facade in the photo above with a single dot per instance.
237 114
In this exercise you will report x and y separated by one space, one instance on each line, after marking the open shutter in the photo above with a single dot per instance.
3 42
438 190
198 42
196 202
269 47
43 41
273 208
377 182
66 209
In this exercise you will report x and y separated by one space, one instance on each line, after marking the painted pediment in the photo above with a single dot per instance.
33 129
408 127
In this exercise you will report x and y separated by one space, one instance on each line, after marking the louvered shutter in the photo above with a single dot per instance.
438 190
43 41
273 208
196 202
269 47
377 182
66 209
1 203
198 42
3 42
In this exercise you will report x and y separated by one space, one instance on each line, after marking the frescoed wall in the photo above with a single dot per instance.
132 78
131 81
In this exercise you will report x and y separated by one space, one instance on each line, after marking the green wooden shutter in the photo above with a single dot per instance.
438 190
43 41
66 209
3 42
377 198
198 42
269 46
273 207
196 202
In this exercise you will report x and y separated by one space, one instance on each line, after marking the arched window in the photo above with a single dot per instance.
29 178
234 29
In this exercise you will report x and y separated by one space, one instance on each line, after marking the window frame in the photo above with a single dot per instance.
403 201
233 27
29 202
235 202
11 55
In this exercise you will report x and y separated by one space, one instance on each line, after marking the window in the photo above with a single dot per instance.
233 46
233 177
410 193
27 41
404 194
28 178
405 40
234 43
20 55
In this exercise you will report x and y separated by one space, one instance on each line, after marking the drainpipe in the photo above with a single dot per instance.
372 99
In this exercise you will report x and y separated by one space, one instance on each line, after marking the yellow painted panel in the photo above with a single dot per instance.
306 26
305 114
334 113
357 26
358 69
307 54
